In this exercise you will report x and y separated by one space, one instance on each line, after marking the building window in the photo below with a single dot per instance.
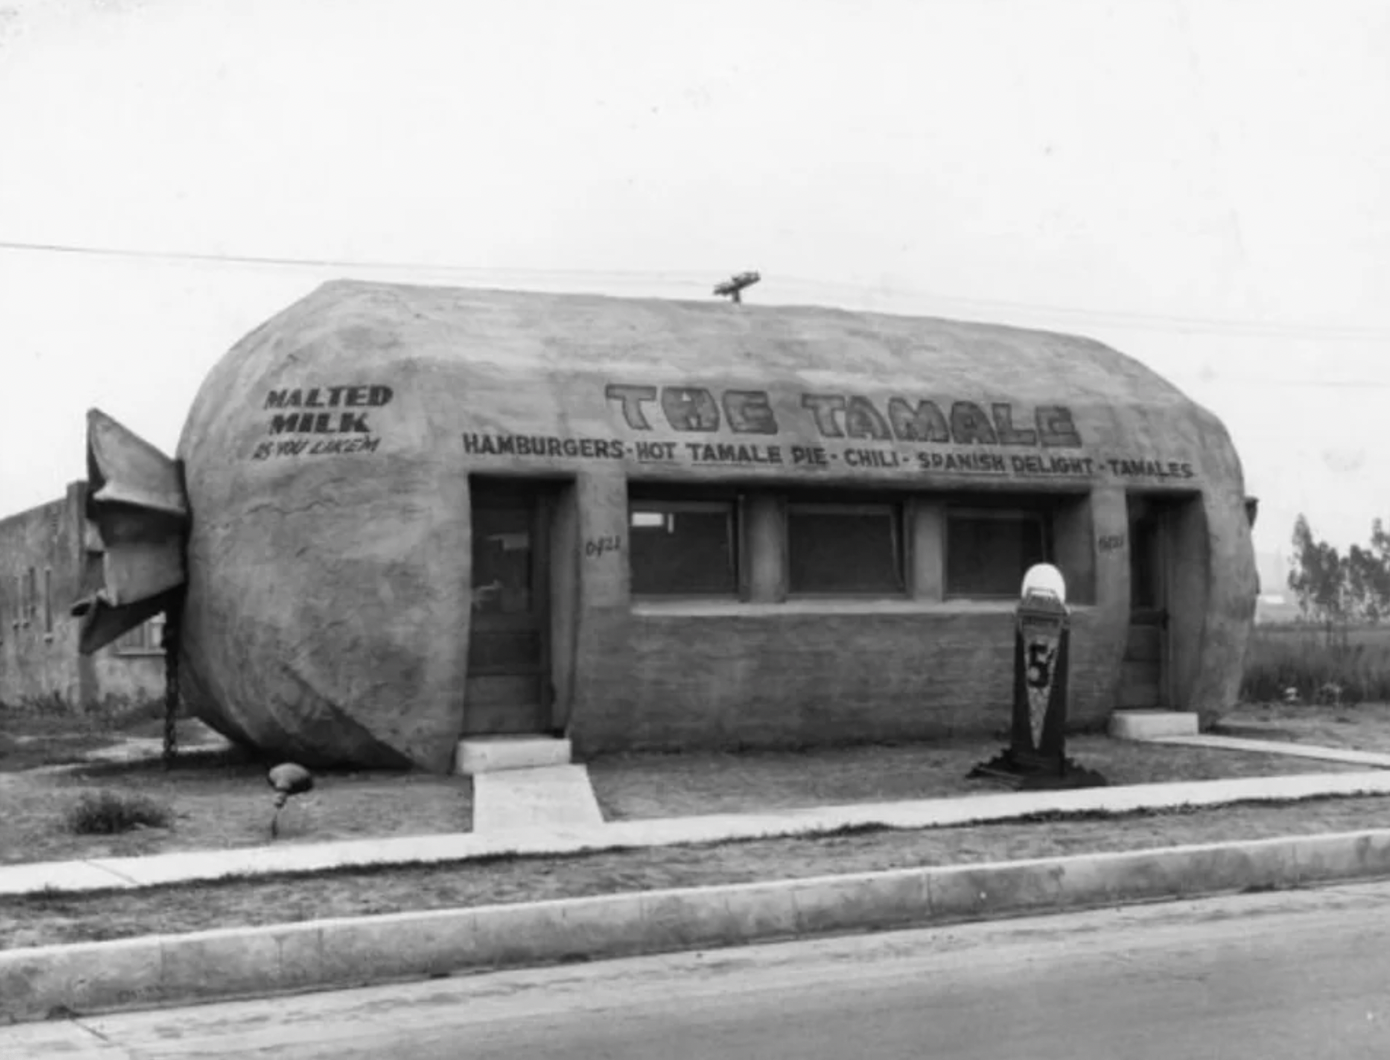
145 639
850 549
683 547
988 552
31 596
48 599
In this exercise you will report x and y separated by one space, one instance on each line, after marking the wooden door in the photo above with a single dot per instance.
508 688
1145 671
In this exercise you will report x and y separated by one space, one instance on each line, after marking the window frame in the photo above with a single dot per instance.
674 500
1043 516
150 636
901 512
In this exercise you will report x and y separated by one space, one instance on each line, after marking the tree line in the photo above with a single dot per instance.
1340 589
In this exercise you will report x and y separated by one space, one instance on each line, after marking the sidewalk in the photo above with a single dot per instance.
135 872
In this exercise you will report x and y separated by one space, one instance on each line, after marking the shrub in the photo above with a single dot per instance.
1311 664
108 812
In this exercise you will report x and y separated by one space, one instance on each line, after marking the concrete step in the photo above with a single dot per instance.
1152 724
488 754
526 799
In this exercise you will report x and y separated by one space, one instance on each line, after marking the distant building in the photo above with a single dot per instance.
46 556
1273 569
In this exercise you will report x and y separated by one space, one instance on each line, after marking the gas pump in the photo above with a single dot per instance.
1036 756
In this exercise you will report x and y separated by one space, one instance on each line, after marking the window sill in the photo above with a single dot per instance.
693 608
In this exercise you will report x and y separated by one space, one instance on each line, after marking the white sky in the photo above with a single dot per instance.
1201 184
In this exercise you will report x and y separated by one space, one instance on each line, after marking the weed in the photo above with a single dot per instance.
107 813
1298 665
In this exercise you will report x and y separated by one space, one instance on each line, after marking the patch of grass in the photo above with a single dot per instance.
220 800
51 919
638 786
110 813
17 756
51 714
1305 659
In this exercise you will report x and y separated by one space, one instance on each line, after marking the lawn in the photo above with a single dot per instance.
46 919
1304 659
653 785
217 797
1363 727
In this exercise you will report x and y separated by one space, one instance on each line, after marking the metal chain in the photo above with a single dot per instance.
172 616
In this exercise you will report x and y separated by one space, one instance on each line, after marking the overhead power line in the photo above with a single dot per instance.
1117 318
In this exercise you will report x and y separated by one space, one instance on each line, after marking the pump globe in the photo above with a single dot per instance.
1045 578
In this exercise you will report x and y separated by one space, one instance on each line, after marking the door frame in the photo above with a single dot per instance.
540 496
1156 510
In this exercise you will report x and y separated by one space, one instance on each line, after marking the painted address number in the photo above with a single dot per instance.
599 546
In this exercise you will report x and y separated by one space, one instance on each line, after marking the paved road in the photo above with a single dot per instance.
1303 975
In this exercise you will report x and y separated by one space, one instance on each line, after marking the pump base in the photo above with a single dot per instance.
1035 773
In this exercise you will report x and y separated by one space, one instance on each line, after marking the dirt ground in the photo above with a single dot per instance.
220 800
1364 727
44 920
652 786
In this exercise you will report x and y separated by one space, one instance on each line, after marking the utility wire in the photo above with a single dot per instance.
1141 321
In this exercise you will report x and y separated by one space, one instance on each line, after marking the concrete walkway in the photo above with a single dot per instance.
1280 747
522 799
542 825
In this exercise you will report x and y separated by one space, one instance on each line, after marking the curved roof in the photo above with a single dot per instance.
499 362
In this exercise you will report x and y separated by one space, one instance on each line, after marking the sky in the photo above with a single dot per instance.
1198 183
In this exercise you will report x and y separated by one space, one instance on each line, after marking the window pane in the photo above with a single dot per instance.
682 549
502 560
847 550
1144 567
989 556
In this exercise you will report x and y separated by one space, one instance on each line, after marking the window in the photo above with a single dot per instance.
845 549
683 547
48 599
145 639
1145 565
988 552
31 596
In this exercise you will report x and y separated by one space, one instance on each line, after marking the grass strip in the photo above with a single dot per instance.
244 900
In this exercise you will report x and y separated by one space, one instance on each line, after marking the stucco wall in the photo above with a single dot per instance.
813 674
126 679
38 656
37 662
669 675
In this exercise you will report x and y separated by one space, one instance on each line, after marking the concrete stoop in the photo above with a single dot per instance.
1152 724
489 754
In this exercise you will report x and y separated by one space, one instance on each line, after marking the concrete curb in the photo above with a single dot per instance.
328 954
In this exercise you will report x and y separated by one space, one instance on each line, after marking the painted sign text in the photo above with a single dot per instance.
339 412
693 409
